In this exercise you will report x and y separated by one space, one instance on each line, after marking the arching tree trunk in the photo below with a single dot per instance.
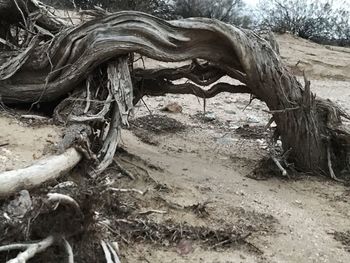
48 68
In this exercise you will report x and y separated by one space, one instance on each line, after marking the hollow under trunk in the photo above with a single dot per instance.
47 68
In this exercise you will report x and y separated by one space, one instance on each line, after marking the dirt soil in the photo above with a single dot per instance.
24 140
316 60
200 202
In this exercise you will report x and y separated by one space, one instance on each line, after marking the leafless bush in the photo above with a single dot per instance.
160 8
229 11
322 21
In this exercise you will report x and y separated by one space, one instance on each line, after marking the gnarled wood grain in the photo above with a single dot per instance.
58 66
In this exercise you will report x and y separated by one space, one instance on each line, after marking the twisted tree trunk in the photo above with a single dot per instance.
47 69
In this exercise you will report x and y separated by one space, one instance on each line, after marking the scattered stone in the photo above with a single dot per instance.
210 116
252 119
184 247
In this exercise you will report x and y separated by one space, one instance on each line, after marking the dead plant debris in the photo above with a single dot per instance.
344 238
252 132
158 124
170 233
267 169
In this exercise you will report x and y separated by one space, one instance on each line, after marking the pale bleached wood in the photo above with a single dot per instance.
42 171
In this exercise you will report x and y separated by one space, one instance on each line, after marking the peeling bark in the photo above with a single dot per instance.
308 126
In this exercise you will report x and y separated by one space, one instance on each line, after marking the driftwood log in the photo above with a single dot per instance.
88 69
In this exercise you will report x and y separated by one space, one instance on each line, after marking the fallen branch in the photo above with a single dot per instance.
38 173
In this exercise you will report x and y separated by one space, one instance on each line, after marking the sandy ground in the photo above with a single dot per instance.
291 220
24 142
316 60
210 161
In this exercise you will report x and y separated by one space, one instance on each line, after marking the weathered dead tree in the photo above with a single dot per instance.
90 69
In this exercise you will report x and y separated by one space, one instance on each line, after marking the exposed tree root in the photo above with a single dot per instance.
277 162
30 250
88 70
64 199
94 54
69 250
54 212
40 172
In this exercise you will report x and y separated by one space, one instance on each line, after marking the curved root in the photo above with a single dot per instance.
38 173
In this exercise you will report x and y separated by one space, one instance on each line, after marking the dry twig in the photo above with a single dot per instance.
283 171
30 249
126 190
